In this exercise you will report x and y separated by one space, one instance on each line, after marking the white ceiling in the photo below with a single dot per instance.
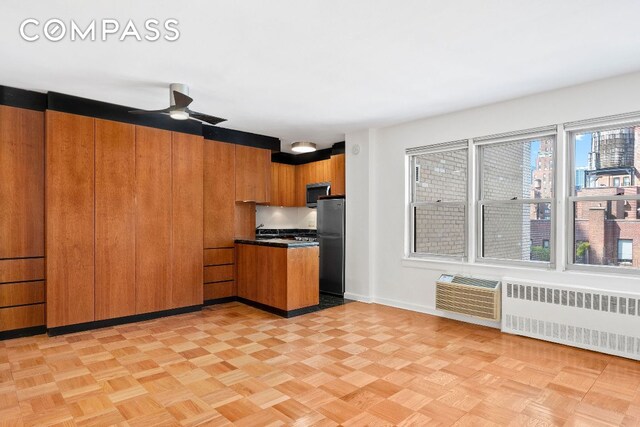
313 70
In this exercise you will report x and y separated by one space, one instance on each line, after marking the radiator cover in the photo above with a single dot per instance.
593 319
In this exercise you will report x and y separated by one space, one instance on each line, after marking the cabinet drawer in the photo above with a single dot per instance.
218 256
20 270
219 290
24 316
219 273
21 293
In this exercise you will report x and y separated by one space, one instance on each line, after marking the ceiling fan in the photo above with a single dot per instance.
179 106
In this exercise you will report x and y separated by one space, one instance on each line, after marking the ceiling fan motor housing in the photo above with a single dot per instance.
178 87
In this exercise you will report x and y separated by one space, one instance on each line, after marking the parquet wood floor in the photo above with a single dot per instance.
352 365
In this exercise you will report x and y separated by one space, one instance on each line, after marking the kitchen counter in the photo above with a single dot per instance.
278 275
277 243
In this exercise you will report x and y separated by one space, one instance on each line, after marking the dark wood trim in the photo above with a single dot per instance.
21 98
278 311
302 159
220 300
263 307
118 113
80 327
238 137
338 148
23 332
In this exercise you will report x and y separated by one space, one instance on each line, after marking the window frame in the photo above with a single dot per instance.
570 132
630 241
523 136
460 145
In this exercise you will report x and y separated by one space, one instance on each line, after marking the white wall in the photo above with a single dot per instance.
377 269
277 217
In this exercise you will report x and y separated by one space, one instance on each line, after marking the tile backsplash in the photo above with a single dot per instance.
277 217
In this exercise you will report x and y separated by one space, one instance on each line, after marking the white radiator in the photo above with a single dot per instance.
604 321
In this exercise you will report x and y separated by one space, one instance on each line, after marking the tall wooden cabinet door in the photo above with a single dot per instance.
153 220
115 242
302 179
263 168
219 194
276 171
287 185
69 218
338 174
187 209
246 174
21 183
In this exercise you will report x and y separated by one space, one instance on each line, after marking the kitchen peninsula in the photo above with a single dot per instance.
278 275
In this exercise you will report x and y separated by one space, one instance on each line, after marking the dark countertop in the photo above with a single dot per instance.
278 243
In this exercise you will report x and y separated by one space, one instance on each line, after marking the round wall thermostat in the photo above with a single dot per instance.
355 149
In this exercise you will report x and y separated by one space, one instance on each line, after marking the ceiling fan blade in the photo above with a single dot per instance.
212 120
166 110
182 100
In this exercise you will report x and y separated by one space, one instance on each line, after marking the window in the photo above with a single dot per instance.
439 201
603 218
625 251
545 243
515 206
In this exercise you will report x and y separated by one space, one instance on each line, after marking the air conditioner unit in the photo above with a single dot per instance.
469 296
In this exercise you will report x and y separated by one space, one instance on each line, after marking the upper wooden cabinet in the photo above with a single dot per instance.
338 182
219 194
283 185
69 218
21 183
253 174
329 170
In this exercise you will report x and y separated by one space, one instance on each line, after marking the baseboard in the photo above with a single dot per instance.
358 297
23 332
220 300
279 311
81 327
433 312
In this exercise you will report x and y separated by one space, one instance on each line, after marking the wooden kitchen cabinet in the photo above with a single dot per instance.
253 174
21 183
219 194
22 218
286 279
338 182
310 173
69 219
153 220
283 184
115 216
187 219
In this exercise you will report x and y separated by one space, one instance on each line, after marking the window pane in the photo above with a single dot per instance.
442 176
605 159
522 169
604 233
517 232
439 229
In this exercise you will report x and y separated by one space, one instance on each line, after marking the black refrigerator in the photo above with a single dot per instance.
331 234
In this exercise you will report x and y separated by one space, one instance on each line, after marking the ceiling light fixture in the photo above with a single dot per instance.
179 115
303 147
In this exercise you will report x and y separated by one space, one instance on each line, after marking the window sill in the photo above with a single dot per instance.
502 270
